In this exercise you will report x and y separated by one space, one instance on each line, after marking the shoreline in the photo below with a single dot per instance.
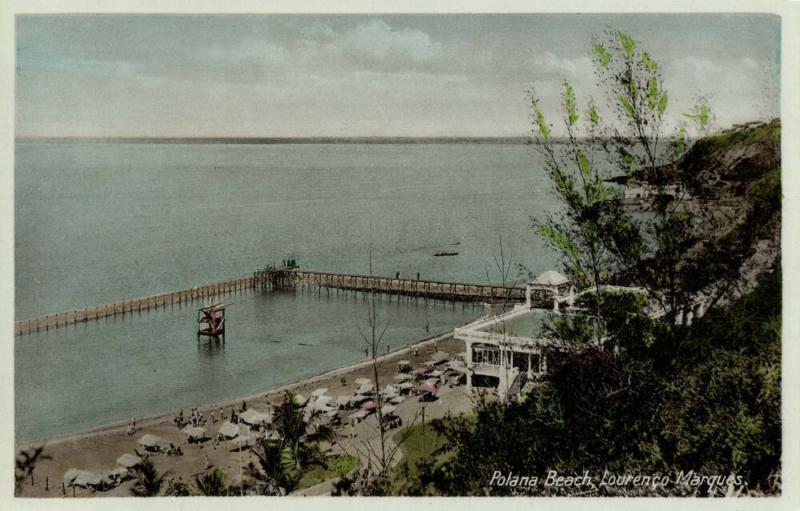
156 419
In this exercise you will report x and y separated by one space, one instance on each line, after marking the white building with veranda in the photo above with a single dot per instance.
507 350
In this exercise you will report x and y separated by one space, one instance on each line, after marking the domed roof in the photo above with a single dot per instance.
549 278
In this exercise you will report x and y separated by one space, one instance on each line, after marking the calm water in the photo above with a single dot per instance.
96 223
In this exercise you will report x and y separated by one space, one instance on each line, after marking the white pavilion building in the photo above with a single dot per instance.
509 349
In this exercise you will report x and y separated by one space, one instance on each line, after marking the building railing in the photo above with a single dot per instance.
487 369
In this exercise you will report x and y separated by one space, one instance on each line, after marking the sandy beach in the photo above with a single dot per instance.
97 449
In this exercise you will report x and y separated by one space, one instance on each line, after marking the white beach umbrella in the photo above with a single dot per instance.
87 479
437 358
194 432
70 475
362 381
366 388
129 460
228 430
322 402
403 377
254 417
358 399
149 441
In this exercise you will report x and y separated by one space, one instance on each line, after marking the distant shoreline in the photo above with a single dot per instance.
283 140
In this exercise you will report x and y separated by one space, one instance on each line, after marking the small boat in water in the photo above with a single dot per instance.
445 254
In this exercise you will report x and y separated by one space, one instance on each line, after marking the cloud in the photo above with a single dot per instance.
551 63
377 40
373 44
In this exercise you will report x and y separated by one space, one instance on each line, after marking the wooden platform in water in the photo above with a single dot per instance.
277 280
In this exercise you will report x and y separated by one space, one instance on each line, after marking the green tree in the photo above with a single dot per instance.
211 484
594 235
277 472
148 481
25 464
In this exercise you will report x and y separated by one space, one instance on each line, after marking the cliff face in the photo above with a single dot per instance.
731 184
734 178
725 164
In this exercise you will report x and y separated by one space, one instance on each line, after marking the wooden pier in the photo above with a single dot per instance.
437 290
279 279
133 306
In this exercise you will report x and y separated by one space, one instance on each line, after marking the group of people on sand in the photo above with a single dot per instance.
196 418
132 427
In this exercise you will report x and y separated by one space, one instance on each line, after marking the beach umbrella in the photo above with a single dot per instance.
396 400
322 401
423 370
405 385
228 430
362 381
358 399
194 432
427 387
387 409
254 417
439 357
326 409
436 373
129 460
70 475
342 401
366 388
404 363
319 392
87 479
432 381
149 441
369 406
403 377
390 390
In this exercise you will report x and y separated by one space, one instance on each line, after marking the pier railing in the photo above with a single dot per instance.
438 290
276 280
132 306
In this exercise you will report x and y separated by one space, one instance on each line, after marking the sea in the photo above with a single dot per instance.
97 222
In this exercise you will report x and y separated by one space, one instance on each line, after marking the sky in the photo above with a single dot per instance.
364 75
